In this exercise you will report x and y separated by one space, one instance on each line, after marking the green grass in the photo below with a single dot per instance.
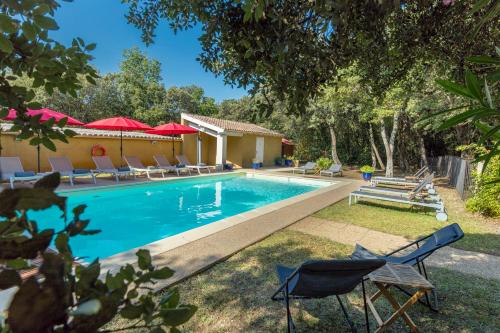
234 296
481 234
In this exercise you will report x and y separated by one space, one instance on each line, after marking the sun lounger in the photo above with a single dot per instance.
332 170
136 166
11 169
322 278
309 166
198 167
424 184
438 204
423 248
163 163
64 166
105 165
401 181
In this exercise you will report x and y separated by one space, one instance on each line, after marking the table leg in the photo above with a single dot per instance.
400 310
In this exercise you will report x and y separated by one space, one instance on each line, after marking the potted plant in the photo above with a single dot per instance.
288 161
279 161
296 162
367 171
255 163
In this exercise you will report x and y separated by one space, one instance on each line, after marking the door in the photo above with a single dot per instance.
259 149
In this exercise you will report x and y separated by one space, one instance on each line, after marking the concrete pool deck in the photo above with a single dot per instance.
198 249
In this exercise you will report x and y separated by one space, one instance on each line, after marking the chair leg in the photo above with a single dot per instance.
346 315
288 314
366 308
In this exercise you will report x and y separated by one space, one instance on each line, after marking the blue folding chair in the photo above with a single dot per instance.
425 246
322 278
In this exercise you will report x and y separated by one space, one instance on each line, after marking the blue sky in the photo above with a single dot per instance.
103 22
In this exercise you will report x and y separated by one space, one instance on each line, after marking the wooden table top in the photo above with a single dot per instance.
400 275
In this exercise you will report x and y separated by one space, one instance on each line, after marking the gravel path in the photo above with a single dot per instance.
468 262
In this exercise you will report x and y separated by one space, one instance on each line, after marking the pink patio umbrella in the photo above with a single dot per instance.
172 129
46 114
119 124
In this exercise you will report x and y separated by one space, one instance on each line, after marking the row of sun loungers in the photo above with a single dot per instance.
334 169
13 171
421 193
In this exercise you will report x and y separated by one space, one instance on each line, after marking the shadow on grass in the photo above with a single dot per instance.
234 296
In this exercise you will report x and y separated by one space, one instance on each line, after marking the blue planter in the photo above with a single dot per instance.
228 166
261 165
288 163
255 165
367 176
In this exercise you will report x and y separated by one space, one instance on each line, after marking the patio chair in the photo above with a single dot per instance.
64 166
401 181
309 166
332 170
323 278
104 164
198 167
163 163
11 169
432 202
136 166
424 184
424 247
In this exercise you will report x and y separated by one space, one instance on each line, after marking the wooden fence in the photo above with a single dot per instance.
457 170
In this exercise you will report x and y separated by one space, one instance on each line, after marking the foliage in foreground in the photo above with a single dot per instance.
73 297
486 192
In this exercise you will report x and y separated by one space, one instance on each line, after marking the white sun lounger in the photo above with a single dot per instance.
332 170
104 164
309 166
403 181
10 166
136 165
198 167
438 205
163 163
425 183
64 166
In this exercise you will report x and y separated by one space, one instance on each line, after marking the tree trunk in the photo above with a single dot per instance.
423 152
389 143
333 137
375 150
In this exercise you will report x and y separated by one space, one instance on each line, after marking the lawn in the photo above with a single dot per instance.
482 235
234 296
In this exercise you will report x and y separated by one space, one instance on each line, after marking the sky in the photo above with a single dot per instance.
103 22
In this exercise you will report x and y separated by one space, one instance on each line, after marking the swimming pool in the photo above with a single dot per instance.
135 215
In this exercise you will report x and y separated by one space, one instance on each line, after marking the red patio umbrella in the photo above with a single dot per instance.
119 124
46 114
172 129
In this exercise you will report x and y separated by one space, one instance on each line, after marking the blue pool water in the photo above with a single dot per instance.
132 216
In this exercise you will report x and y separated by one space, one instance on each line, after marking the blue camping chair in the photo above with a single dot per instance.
322 278
425 246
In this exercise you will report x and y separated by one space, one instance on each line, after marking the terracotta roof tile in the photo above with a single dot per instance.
235 126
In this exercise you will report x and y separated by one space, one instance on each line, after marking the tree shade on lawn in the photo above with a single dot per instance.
45 114
119 124
172 129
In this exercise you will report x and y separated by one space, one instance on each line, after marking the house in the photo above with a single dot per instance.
225 141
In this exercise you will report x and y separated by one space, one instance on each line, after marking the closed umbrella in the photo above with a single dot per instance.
172 129
10 116
46 114
119 124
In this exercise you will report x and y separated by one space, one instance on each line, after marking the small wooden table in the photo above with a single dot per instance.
402 276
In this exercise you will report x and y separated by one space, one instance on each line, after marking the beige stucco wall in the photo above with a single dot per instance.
79 150
241 150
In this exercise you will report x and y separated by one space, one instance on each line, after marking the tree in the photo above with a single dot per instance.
338 103
293 48
140 84
27 51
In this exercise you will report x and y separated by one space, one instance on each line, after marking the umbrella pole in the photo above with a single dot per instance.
38 156
173 149
121 147
1 140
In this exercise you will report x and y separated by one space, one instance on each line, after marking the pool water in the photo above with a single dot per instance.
135 215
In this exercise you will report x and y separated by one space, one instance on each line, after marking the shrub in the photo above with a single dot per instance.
486 192
323 163
367 169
